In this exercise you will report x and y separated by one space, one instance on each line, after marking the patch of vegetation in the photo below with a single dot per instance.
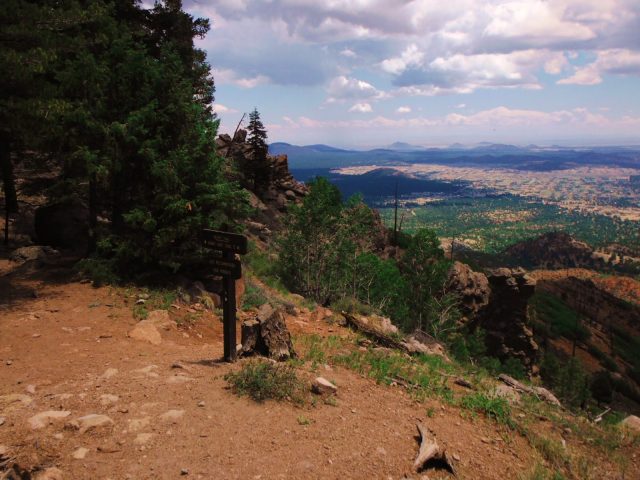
557 318
262 380
493 406
253 296
98 270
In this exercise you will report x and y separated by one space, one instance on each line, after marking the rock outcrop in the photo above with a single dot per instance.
472 287
505 317
497 303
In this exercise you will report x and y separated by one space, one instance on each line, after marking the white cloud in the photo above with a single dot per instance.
219 108
226 76
617 61
461 105
411 56
361 108
403 110
344 88
347 52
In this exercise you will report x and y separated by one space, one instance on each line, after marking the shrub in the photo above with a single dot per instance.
262 381
492 406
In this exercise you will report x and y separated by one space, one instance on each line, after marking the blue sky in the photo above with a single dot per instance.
363 73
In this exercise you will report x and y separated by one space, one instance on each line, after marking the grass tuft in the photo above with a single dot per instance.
262 381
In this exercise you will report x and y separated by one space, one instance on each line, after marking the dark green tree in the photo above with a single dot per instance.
257 169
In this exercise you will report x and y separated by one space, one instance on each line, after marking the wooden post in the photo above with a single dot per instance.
229 314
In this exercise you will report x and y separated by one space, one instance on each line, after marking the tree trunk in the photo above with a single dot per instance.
8 184
93 212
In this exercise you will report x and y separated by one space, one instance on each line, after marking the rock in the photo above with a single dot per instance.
632 422
472 288
420 342
91 422
201 403
63 225
508 393
143 438
9 363
31 389
43 419
80 453
52 473
7 401
184 471
172 416
505 317
2 421
108 399
3 451
136 424
108 373
42 254
322 386
147 330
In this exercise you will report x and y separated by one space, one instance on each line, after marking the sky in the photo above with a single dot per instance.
366 73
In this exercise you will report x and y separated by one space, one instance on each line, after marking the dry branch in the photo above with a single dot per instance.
430 450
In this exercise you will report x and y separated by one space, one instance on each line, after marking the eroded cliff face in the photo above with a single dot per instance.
498 303
505 318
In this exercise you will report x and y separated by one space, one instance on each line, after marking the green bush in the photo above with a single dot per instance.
261 380
253 296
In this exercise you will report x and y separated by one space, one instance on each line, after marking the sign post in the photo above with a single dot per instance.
226 266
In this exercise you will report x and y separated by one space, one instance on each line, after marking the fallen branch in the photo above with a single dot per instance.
598 419
379 337
430 450
537 391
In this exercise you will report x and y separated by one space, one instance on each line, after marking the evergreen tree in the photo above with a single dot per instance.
258 169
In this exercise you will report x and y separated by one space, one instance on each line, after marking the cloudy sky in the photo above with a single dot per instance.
431 72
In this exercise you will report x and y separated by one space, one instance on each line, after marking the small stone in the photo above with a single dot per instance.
172 416
184 471
322 386
9 362
52 473
456 457
42 419
567 431
143 438
485 440
36 335
109 372
80 453
201 403
108 399
31 389
136 424
92 421
109 448
3 450
381 451
2 420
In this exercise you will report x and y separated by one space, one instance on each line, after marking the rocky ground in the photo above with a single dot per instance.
87 392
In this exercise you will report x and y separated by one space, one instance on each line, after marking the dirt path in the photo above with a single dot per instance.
68 351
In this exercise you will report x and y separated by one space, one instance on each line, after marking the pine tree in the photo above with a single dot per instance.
257 171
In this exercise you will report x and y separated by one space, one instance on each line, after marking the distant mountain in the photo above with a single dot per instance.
404 147
484 154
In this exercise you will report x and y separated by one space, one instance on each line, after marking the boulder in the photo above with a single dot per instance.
42 254
92 421
632 423
64 225
322 386
147 330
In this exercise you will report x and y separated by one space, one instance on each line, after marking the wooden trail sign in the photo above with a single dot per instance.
229 268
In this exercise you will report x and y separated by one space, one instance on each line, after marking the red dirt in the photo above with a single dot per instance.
67 342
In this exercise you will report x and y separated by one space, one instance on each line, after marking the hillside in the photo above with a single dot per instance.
168 411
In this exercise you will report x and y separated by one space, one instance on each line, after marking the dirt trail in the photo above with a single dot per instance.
68 351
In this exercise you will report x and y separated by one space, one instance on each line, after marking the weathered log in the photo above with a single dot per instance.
541 392
430 450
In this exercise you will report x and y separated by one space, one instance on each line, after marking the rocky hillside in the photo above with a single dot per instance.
552 251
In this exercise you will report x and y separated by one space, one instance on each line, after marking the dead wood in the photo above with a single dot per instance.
379 337
430 451
464 383
540 392
598 419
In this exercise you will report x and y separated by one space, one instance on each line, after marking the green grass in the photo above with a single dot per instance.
492 406
253 297
261 380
